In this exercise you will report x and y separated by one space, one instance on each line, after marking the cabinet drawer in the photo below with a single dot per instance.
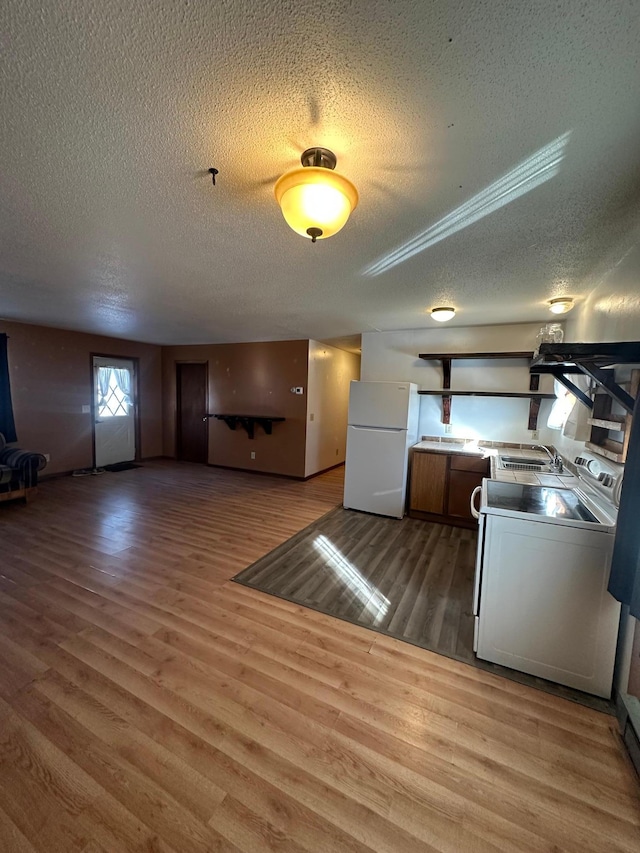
469 463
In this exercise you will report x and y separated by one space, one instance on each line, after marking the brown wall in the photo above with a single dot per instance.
247 379
51 380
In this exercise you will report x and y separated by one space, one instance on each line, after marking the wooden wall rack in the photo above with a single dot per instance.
248 422
446 393
594 360
597 361
610 432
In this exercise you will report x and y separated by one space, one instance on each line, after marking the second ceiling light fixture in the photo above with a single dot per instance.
315 200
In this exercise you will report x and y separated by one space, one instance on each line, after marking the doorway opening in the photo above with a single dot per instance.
192 425
115 410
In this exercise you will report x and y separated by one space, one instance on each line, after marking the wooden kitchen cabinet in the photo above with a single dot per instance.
441 486
428 482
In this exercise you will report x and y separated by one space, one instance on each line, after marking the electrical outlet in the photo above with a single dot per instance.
534 434
447 429
312 417
86 410
253 454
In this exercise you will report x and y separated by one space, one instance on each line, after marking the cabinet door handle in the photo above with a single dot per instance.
474 511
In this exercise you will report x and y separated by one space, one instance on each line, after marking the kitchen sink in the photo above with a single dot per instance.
522 463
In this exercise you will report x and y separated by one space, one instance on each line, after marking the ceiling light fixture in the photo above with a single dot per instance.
561 305
315 200
443 314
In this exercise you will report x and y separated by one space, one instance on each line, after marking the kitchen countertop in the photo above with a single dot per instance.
531 478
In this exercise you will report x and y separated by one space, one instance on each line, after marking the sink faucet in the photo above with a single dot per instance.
555 462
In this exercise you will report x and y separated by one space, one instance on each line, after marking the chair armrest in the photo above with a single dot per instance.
22 460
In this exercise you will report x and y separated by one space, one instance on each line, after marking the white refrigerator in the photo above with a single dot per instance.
382 426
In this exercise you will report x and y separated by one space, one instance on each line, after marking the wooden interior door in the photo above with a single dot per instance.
192 429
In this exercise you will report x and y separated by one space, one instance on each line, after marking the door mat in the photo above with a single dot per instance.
121 466
408 579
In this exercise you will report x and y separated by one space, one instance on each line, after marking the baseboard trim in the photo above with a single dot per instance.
323 471
628 713
252 471
274 474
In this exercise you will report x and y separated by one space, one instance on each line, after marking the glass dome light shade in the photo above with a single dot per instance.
443 314
315 197
561 305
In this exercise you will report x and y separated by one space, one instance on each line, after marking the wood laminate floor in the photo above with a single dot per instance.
148 704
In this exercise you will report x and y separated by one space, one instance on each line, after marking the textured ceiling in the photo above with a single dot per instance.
112 112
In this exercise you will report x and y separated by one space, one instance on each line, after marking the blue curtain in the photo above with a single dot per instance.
624 581
7 424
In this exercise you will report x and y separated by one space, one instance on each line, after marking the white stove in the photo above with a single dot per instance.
544 553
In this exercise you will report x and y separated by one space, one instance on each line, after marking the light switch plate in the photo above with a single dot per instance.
86 410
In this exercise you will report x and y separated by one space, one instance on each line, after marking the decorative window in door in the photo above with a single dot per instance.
113 385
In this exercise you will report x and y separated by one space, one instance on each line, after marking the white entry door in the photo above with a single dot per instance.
114 407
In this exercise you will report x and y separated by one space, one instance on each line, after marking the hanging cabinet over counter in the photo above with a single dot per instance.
533 394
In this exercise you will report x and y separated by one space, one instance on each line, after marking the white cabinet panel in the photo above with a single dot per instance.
544 605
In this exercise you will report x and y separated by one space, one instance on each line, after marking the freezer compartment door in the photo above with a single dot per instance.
383 404
375 477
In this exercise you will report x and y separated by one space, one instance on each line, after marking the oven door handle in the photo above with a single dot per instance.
474 511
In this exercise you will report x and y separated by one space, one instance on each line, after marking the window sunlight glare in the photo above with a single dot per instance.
373 601
535 170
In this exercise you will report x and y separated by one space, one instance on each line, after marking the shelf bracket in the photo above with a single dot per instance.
446 372
446 384
534 411
247 422
605 379
446 409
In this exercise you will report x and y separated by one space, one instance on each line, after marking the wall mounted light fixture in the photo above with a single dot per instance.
443 314
561 305
315 200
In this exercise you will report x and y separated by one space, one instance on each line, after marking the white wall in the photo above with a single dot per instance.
611 312
330 373
394 356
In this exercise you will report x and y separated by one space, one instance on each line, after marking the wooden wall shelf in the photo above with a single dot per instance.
248 422
594 360
533 395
